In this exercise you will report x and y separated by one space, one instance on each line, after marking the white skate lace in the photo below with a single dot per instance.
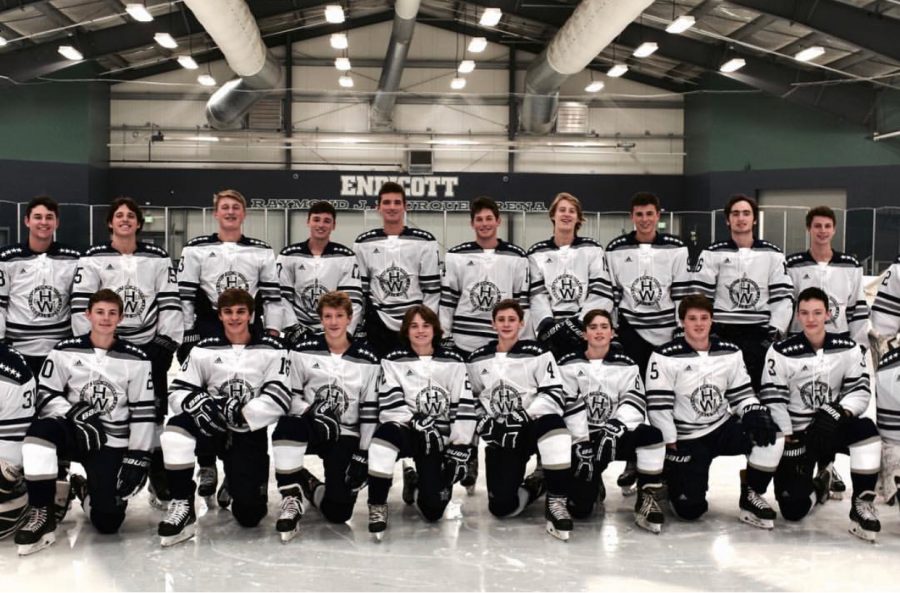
37 517
291 507
378 513
649 505
178 512
557 507
865 509
207 475
756 500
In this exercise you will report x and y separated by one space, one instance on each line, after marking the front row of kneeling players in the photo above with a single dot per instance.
578 415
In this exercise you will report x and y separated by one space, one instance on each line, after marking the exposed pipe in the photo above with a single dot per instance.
593 25
233 28
394 60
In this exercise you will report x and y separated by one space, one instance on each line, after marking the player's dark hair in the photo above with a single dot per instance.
232 297
429 317
508 304
43 200
742 198
128 203
813 293
105 295
694 301
593 314
336 299
322 207
483 203
645 198
392 187
823 211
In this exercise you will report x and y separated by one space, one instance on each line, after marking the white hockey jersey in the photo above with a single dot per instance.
691 393
475 280
568 280
525 378
399 271
887 396
116 381
435 386
35 296
610 388
649 280
208 266
17 404
747 285
146 283
842 280
305 277
797 379
257 374
886 308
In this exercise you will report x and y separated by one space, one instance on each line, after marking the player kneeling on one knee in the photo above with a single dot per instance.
611 390
817 387
699 395
228 390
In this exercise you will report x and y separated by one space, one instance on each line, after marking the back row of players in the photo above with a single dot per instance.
560 287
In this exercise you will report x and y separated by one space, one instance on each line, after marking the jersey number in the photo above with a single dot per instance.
550 370
29 399
771 362
654 372
47 369
886 278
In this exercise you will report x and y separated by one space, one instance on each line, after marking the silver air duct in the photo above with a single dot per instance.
593 25
401 36
233 28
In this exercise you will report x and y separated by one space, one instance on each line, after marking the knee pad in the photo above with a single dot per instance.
382 457
248 514
690 510
502 508
580 511
646 435
291 428
178 447
859 429
794 508
432 510
554 442
107 523
390 432
336 512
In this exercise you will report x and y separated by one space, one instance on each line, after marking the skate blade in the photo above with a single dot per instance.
655 528
287 536
836 495
629 490
170 540
46 541
378 536
867 536
558 534
751 519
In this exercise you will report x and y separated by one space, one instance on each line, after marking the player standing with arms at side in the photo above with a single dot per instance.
17 412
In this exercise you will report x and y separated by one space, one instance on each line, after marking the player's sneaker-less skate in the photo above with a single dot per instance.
38 532
180 523
207 480
755 510
471 473
648 513
628 478
828 485
559 521
309 484
288 523
864 522
378 517
410 483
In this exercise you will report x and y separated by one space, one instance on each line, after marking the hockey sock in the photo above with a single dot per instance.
378 489
758 480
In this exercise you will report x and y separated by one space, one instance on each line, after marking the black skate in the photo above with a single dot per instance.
180 523
471 474
207 480
62 502
628 478
223 496
755 510
288 523
38 532
559 521
309 484
378 517
535 485
410 483
827 484
647 511
864 522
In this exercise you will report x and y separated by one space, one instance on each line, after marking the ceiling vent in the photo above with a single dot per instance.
420 162
266 115
572 118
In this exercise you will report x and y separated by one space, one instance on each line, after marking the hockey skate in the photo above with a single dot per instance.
309 484
62 502
838 486
378 516
755 510
207 480
647 512
288 523
559 521
864 522
156 500
471 474
535 485
38 532
180 523
223 496
828 485
410 484
628 478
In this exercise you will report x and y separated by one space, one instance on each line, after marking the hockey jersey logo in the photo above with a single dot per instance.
434 400
567 288
236 388
311 294
45 301
599 407
834 308
335 396
815 393
484 295
744 293
394 281
134 301
504 399
706 400
646 290
101 394
231 279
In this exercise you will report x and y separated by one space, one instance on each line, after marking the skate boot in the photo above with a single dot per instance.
864 522
158 500
410 484
38 532
628 478
223 496
62 502
378 516
78 485
207 480
755 510
309 484
824 485
559 521
535 485
472 474
647 512
838 486
180 523
288 523
157 485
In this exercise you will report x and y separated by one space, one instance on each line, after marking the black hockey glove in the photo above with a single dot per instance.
324 423
822 431
758 424
166 343
513 424
561 336
132 473
358 471
89 433
456 460
490 430
206 413
447 343
233 413
583 456
297 333
610 434
191 337
431 439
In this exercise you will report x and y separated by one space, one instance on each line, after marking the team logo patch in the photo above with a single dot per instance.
744 293
101 394
484 295
311 293
394 281
504 399
335 396
236 388
706 400
814 394
45 301
231 279
433 401
834 308
566 288
646 290
134 301
599 407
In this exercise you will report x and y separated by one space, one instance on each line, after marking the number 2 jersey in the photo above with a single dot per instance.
887 396
886 307
17 404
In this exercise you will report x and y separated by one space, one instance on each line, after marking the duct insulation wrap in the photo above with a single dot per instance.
394 62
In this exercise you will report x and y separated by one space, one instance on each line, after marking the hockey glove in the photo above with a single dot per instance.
583 457
758 424
822 431
296 333
490 430
166 343
234 415
448 343
456 461
89 433
11 480
610 434
513 424
206 413
429 435
324 422
132 473
358 471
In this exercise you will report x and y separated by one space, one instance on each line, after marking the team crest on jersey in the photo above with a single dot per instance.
133 301
834 308
646 290
504 399
484 295
566 288
311 294
394 281
335 396
231 279
706 400
814 394
599 407
45 301
101 394
433 401
236 388
744 293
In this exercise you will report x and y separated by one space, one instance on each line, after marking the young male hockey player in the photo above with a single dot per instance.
523 410
887 406
17 411
309 269
95 406
36 280
426 412
143 276
399 266
332 414
214 390
610 385
747 281
817 387
568 278
699 396
885 314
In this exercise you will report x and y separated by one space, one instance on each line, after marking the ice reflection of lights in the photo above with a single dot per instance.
610 538
722 550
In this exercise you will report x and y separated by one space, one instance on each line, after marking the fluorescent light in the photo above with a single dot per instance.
346 81
342 63
617 70
458 83
810 53
466 66
681 24
2 41
732 65
645 49
206 80
490 17
139 12
187 62
334 13
165 40
477 45
70 52
203 138
339 41
595 86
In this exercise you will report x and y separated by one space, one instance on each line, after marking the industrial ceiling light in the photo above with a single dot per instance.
187 62
733 65
206 80
595 86
2 41
458 83
681 24
810 53
165 40
477 45
70 53
342 64
138 12
334 13
490 17
466 66
346 81
617 70
645 49
339 41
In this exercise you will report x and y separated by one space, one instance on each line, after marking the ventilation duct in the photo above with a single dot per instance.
233 28
394 60
593 25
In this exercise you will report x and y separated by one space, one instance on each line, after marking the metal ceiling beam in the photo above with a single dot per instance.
753 27
53 14
852 60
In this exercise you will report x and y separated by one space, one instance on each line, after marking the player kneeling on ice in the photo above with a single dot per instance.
425 411
817 387
888 418
610 385
522 411
226 391
699 395
95 406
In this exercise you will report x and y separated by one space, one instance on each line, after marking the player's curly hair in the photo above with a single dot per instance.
429 317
